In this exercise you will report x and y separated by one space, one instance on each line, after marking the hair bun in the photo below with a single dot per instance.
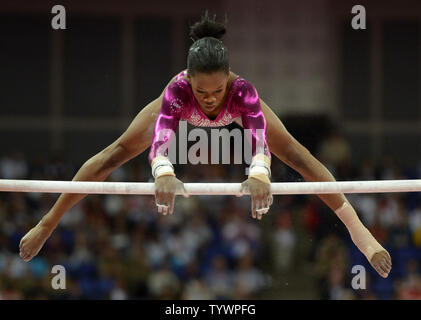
207 27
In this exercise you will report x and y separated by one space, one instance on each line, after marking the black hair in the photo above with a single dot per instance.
208 53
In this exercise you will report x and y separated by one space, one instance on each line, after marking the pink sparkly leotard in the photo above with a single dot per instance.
179 103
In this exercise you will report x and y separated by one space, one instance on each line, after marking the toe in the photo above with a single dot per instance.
388 266
384 271
24 254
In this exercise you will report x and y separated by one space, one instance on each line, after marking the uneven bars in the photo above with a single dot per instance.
147 188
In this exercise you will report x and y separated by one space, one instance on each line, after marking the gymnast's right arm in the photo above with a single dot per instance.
136 139
174 103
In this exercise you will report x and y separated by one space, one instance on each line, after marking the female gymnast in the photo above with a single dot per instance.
209 94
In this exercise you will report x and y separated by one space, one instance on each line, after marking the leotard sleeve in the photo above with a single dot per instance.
247 102
175 101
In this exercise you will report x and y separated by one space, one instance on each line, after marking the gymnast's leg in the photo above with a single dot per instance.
136 139
291 152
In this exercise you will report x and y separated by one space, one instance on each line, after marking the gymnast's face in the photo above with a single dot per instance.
209 90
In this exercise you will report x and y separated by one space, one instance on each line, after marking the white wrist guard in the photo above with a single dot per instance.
360 235
161 166
260 168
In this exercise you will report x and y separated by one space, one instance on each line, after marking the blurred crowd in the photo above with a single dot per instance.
119 247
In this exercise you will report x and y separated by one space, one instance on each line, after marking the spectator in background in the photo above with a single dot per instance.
367 206
311 221
379 230
13 166
81 253
163 283
136 269
240 235
336 283
334 151
57 168
387 210
414 221
119 291
219 279
400 234
410 287
155 250
196 289
331 253
8 290
311 216
248 280
366 170
284 241
389 169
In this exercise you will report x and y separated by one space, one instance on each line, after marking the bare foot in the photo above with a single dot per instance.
33 241
382 263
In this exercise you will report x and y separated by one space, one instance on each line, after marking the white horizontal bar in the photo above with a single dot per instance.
82 187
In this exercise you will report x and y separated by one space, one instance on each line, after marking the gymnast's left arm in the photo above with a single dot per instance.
254 124
290 151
